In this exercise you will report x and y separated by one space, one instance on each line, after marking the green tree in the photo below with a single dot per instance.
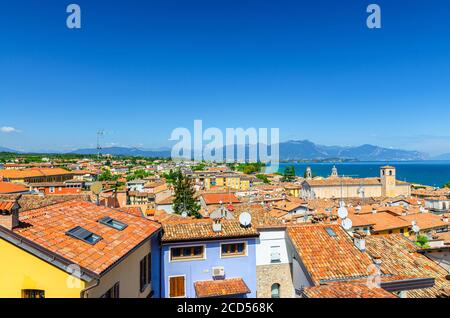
422 241
106 175
170 176
263 178
289 174
138 174
184 196
447 185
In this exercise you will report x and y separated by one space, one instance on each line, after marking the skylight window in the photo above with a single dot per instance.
113 223
84 235
330 231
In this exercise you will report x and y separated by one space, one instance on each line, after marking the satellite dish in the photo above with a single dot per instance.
184 214
347 224
342 212
96 188
245 219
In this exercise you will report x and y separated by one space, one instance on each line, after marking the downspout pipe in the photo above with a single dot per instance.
83 293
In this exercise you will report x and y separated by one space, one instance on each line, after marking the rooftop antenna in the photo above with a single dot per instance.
100 133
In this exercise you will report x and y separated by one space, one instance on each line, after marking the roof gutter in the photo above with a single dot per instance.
407 284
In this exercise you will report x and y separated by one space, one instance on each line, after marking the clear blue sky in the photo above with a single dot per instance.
139 69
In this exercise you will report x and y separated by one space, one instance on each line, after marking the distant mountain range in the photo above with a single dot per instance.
123 151
307 150
292 150
3 149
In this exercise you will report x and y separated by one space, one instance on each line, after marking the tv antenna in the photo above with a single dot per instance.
100 133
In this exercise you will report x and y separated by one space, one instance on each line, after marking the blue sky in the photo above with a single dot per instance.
139 69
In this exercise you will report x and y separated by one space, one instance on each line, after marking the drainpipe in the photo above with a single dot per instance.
84 291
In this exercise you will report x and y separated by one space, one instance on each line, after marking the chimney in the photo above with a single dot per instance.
9 214
217 226
377 261
404 213
374 211
445 218
359 239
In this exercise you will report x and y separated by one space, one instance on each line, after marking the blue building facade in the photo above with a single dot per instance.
185 263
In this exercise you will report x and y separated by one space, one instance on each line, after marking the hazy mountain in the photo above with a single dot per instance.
444 156
123 151
4 149
305 150
291 150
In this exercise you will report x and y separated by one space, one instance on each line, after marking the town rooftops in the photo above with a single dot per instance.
202 229
48 227
224 287
217 198
328 253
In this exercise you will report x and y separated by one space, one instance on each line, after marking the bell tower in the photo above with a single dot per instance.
388 179
334 172
308 173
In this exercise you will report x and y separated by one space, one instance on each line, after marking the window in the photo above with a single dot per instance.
84 235
330 231
275 290
113 292
33 293
52 189
275 255
233 249
188 252
145 272
177 286
113 223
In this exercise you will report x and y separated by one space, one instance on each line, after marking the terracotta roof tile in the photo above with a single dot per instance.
202 229
399 256
217 288
328 257
8 187
216 198
346 290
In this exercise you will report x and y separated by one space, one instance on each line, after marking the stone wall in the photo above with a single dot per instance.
267 275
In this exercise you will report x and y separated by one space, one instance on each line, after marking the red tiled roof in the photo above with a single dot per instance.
217 288
47 227
346 290
8 187
7 205
202 229
399 257
328 257
216 198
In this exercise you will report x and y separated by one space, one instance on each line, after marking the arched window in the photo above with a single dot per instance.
390 172
275 290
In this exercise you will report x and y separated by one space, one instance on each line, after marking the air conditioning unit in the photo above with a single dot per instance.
275 257
218 271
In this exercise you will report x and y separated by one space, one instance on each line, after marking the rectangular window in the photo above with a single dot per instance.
33 293
186 253
84 235
233 249
177 286
113 292
113 223
145 272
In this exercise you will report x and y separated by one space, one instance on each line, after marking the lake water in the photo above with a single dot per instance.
433 173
